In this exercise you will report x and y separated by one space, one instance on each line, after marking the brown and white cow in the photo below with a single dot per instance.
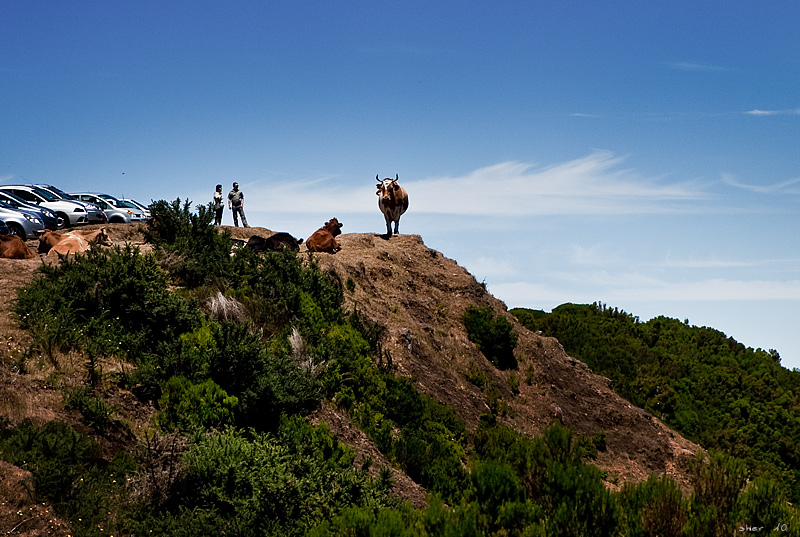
322 240
97 236
72 242
13 247
392 201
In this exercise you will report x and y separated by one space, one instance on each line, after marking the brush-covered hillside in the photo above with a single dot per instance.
703 383
167 386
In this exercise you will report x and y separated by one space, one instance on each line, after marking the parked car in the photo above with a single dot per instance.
95 214
116 211
48 217
24 225
69 213
142 206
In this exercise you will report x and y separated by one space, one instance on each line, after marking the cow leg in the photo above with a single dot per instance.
397 226
388 225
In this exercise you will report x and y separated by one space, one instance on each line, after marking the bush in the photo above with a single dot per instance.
263 485
107 301
188 407
494 336
718 481
655 507
199 254
96 413
763 504
68 472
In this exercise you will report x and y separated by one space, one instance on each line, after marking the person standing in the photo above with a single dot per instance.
218 205
236 204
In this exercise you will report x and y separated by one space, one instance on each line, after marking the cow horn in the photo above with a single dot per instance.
396 177
377 178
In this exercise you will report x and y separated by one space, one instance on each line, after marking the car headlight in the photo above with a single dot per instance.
31 218
79 210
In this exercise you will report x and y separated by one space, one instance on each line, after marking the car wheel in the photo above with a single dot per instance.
116 220
63 220
16 229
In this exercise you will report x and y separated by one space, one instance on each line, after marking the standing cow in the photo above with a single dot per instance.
392 201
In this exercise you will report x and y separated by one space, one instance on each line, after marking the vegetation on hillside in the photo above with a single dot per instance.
236 350
707 386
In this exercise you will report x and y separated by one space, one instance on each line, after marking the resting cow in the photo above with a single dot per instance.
71 242
323 239
392 201
273 243
13 247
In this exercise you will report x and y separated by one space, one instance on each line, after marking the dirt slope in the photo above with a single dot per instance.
420 296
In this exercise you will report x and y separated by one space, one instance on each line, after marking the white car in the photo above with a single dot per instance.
118 212
143 207
69 213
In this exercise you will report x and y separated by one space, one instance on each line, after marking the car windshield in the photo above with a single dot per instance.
127 205
97 201
110 199
61 193
49 196
139 205
8 197
10 201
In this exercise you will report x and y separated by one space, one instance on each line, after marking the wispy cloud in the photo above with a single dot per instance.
593 185
596 184
791 186
650 289
695 66
786 112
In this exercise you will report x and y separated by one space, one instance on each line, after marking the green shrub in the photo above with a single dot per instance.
96 413
655 507
718 480
197 252
263 485
69 472
108 301
358 521
763 504
187 407
496 483
494 336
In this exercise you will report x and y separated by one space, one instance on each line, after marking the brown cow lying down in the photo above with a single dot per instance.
323 239
71 242
12 247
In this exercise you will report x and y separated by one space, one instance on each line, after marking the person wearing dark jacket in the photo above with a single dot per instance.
236 204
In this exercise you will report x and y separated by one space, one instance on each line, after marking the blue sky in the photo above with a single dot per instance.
642 154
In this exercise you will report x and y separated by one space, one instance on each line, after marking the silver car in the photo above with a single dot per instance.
24 225
94 214
69 213
116 211
48 217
